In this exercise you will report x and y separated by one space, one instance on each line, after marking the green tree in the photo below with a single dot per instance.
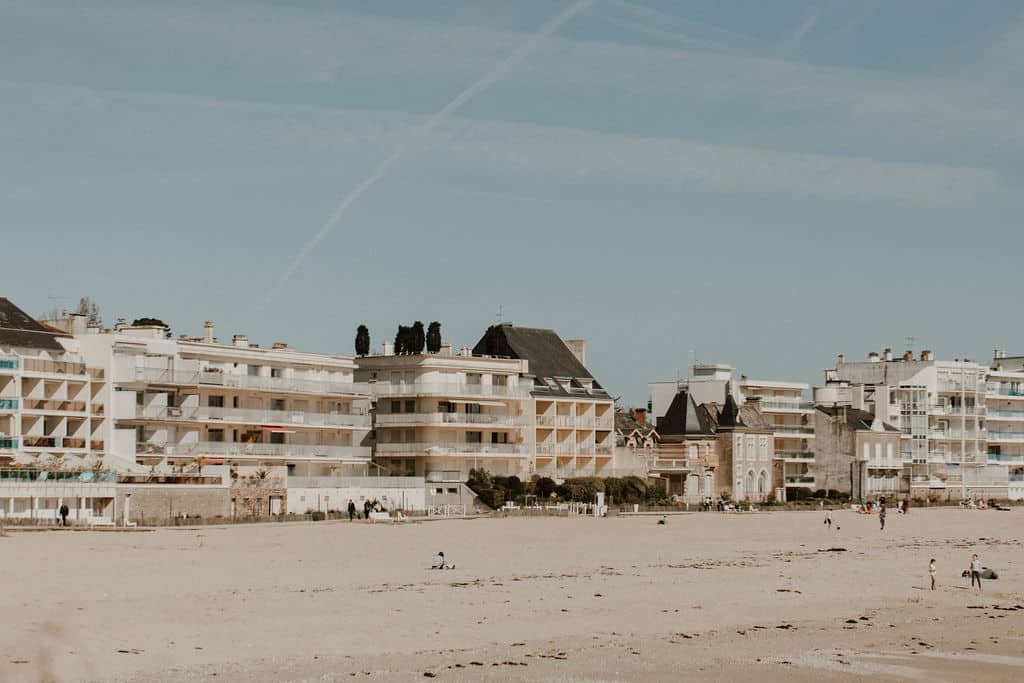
434 337
154 322
362 341
418 338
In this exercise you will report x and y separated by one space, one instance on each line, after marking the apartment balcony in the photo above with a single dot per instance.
53 442
995 415
8 404
671 465
884 464
52 367
8 443
803 480
794 456
800 431
956 411
447 389
1005 457
1016 477
447 420
1007 392
8 363
779 405
53 406
295 418
954 435
256 451
491 450
150 376
1006 437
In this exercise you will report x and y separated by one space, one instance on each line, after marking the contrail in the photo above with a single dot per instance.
484 82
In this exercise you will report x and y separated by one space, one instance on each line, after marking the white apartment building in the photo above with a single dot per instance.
570 430
50 403
939 406
190 402
439 415
1004 402
791 414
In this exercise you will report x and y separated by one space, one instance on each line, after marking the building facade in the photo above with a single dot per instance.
1004 410
790 413
857 454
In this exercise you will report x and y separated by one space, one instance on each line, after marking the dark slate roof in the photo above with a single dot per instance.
548 356
856 418
18 328
747 416
683 417
729 417
625 424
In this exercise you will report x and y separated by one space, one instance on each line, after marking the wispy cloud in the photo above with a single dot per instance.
496 145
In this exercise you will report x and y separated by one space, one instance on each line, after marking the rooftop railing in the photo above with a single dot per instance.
228 380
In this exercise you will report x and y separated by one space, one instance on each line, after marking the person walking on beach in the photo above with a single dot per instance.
64 514
828 518
931 572
351 510
367 506
881 516
975 571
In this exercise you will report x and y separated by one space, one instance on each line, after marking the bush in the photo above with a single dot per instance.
544 487
492 498
634 489
317 516
797 494
512 486
834 494
479 480
821 493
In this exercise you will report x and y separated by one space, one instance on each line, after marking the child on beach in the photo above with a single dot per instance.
931 572
975 571
828 519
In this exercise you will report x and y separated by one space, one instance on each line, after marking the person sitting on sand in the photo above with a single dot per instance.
662 520
440 563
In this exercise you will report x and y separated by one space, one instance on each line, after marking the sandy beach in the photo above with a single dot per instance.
707 596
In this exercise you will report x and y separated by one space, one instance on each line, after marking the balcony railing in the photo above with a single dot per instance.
53 367
8 443
800 480
8 363
953 411
784 404
39 442
794 455
998 390
54 405
430 419
452 449
994 414
956 435
229 449
802 430
252 416
671 464
228 380
1016 477
8 404
386 389
1005 457
1006 436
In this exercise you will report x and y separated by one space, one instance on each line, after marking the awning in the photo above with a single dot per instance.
278 430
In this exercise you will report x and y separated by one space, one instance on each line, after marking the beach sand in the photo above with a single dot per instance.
708 596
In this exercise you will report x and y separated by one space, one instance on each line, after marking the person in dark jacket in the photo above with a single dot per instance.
351 510
366 509
64 514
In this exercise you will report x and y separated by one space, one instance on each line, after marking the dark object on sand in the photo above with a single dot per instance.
831 550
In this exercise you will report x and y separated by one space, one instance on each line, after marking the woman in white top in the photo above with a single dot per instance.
975 571
931 572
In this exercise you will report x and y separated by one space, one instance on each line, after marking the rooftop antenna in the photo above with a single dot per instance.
501 313
910 342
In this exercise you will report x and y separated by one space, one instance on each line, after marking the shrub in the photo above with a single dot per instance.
479 480
634 489
492 498
797 494
544 487
317 516
613 489
821 493
834 494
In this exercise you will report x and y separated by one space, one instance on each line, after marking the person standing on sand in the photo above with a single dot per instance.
931 572
975 571
881 516
366 508
351 510
64 514
828 518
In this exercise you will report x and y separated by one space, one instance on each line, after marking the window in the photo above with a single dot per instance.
410 406
215 435
396 407
277 404
215 401
867 450
473 378
889 451
276 437
878 451
275 372
499 437
446 407
254 370
235 402
499 380
473 408
474 437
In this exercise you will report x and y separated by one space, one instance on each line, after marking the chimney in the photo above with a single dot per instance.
78 323
743 378
881 408
998 354
240 340
279 345
842 358
120 324
208 332
887 354
927 355
446 348
873 357
857 396
578 348
908 355
465 351
385 348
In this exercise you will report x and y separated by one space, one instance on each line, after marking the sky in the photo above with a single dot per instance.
760 184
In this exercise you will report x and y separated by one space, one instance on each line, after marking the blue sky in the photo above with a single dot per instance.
766 184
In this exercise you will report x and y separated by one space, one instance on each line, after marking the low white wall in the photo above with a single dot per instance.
317 493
